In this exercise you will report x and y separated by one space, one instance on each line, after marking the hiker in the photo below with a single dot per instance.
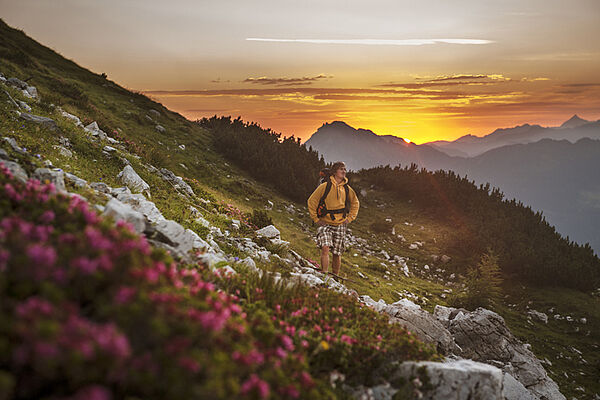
332 206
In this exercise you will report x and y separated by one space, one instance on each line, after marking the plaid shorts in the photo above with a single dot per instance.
333 237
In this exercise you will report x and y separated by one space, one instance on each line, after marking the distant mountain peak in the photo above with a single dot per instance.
574 122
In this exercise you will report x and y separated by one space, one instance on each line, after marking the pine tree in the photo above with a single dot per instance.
484 282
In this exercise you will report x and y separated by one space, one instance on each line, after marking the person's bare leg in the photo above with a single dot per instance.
325 258
336 263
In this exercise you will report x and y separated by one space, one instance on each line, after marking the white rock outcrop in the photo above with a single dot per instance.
123 212
132 180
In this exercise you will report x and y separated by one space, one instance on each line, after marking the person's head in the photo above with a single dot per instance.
338 170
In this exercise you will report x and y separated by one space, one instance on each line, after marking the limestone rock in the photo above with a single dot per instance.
177 182
101 187
55 176
17 83
540 316
483 336
160 129
512 389
175 235
72 118
132 180
269 232
75 180
24 106
95 130
155 113
63 151
16 170
139 203
43 121
457 380
123 212
13 144
424 325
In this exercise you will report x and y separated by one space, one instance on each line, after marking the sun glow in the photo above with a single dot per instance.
406 140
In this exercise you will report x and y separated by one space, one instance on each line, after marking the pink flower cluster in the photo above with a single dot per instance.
73 334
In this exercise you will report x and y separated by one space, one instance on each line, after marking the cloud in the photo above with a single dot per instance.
450 80
419 85
305 80
376 42
580 85
493 77
534 79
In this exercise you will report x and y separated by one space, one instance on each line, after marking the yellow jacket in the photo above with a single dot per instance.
336 199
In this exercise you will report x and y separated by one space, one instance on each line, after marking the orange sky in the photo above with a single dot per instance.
421 70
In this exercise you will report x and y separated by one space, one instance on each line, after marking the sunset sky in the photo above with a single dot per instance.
422 70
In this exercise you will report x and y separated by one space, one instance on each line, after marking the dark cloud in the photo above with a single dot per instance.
457 77
580 85
419 85
305 80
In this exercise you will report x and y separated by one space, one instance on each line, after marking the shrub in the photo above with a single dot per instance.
260 219
483 284
382 227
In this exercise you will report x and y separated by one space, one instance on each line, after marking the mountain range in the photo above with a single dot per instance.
553 170
469 146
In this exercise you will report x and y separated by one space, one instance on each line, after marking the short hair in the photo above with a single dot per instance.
337 165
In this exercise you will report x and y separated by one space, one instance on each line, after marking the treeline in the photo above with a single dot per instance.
528 247
283 163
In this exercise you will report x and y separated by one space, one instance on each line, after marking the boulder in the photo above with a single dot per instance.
4 155
63 151
16 170
73 118
95 130
483 336
540 316
132 180
123 212
13 144
31 92
43 121
154 113
457 380
17 83
512 389
177 182
24 106
269 232
101 187
173 234
160 129
139 203
55 176
418 321
75 180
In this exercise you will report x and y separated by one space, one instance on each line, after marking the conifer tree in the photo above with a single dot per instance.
484 282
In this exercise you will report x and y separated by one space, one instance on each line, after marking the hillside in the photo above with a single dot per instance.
290 331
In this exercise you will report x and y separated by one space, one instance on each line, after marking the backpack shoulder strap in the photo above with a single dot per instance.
326 192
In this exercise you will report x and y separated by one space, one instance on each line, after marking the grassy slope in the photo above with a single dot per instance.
93 98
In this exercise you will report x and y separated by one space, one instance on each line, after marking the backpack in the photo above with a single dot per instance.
321 208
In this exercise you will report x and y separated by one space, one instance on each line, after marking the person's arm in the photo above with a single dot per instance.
354 205
313 201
